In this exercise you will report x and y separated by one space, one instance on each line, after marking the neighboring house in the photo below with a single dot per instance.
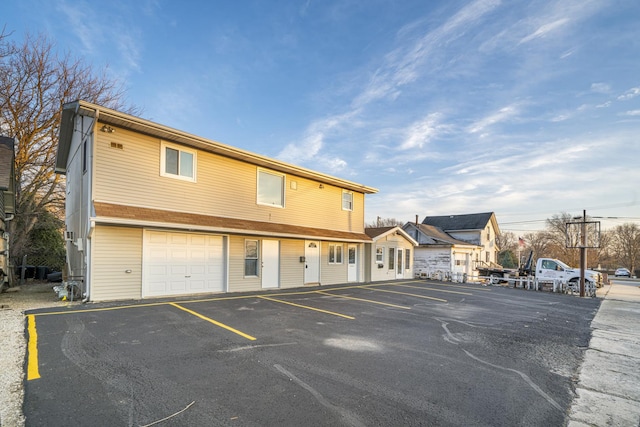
152 211
390 255
7 204
454 245
440 256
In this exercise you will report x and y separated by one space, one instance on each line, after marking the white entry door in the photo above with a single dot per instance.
400 264
352 268
312 262
270 264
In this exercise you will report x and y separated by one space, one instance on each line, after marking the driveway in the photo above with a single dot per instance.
401 353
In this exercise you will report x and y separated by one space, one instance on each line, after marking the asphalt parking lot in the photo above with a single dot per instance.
401 353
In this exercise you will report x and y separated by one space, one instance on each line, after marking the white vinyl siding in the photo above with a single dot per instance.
224 187
331 274
117 263
291 269
238 282
389 249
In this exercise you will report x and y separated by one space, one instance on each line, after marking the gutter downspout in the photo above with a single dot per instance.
88 247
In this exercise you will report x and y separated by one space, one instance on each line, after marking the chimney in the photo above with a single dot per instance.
416 220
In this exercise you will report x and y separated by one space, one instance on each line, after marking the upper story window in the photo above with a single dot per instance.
270 188
347 201
178 162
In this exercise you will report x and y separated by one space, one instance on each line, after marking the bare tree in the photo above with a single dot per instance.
556 231
538 242
35 82
384 222
625 242
507 240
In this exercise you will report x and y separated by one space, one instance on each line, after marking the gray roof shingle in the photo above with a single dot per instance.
448 223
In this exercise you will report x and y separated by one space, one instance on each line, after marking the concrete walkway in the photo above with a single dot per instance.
608 389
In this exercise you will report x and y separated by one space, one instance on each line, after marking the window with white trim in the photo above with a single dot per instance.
407 259
270 188
250 257
347 200
380 255
335 253
392 258
177 162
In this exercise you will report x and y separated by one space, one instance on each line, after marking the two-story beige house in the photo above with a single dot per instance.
152 211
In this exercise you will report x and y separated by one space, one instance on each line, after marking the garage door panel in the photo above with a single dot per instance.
182 263
178 286
198 240
178 239
197 285
157 237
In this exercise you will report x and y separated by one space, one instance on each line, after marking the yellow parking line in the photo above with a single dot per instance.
475 288
402 293
437 290
33 373
222 325
90 310
365 300
307 307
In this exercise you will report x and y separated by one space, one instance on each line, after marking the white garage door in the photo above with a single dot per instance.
182 263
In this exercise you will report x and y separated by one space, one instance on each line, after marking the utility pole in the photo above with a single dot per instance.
583 243
583 251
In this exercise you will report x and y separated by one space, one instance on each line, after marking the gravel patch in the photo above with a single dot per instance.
13 303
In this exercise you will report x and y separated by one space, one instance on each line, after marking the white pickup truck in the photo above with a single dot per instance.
552 269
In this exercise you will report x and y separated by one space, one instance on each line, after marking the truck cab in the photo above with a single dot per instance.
548 269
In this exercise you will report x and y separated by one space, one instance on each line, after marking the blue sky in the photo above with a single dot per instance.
527 109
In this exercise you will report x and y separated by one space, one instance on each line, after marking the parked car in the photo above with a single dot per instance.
622 272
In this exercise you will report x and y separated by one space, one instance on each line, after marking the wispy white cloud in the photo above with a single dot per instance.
400 67
99 31
631 93
545 29
421 132
313 142
631 113
81 22
499 116
404 64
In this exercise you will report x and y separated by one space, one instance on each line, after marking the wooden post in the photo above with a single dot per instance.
583 252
